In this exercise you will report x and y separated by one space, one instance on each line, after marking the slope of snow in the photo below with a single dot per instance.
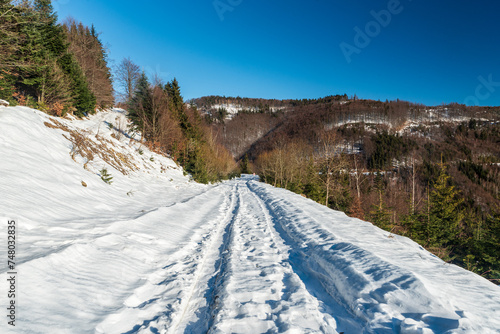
156 253
233 109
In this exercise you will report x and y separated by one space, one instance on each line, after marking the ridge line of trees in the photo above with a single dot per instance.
52 67
167 124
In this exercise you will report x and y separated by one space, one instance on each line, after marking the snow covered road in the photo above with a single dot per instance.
156 253
235 279
247 261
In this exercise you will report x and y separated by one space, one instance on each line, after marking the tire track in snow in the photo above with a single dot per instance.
202 286
258 292
171 295
355 284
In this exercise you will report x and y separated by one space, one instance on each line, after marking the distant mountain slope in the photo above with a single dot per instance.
380 161
245 124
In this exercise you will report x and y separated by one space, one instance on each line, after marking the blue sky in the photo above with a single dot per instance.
423 51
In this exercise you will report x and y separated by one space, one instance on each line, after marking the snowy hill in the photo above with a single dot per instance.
153 252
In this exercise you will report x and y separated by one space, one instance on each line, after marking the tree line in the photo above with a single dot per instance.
168 125
440 192
52 67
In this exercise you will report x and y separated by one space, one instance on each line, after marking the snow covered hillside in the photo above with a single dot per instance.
232 109
153 252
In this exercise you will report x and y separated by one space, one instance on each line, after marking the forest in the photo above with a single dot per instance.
429 173
58 68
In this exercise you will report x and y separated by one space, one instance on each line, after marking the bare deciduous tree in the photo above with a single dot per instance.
127 76
333 164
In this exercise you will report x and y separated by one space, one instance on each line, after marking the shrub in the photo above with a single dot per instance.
105 176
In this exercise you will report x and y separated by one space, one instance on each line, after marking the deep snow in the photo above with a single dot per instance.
156 253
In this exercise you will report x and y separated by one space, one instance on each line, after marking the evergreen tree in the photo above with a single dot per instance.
244 165
54 85
415 223
9 41
140 105
176 106
380 215
45 67
489 245
445 213
6 84
83 99
174 94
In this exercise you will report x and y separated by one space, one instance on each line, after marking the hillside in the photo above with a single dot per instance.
387 162
303 119
155 252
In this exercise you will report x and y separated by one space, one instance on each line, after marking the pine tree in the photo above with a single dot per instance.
9 41
176 106
489 246
44 48
380 214
83 99
54 85
140 105
244 165
445 214
6 84
174 94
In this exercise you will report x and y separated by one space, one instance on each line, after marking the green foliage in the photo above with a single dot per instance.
448 223
387 148
380 214
89 53
140 105
105 176
6 85
244 169
381 217
174 93
42 106
36 60
446 213
486 245
475 172
83 99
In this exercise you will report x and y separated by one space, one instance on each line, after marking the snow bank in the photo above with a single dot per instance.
83 245
387 280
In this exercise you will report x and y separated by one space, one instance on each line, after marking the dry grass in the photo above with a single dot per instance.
89 148
441 252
